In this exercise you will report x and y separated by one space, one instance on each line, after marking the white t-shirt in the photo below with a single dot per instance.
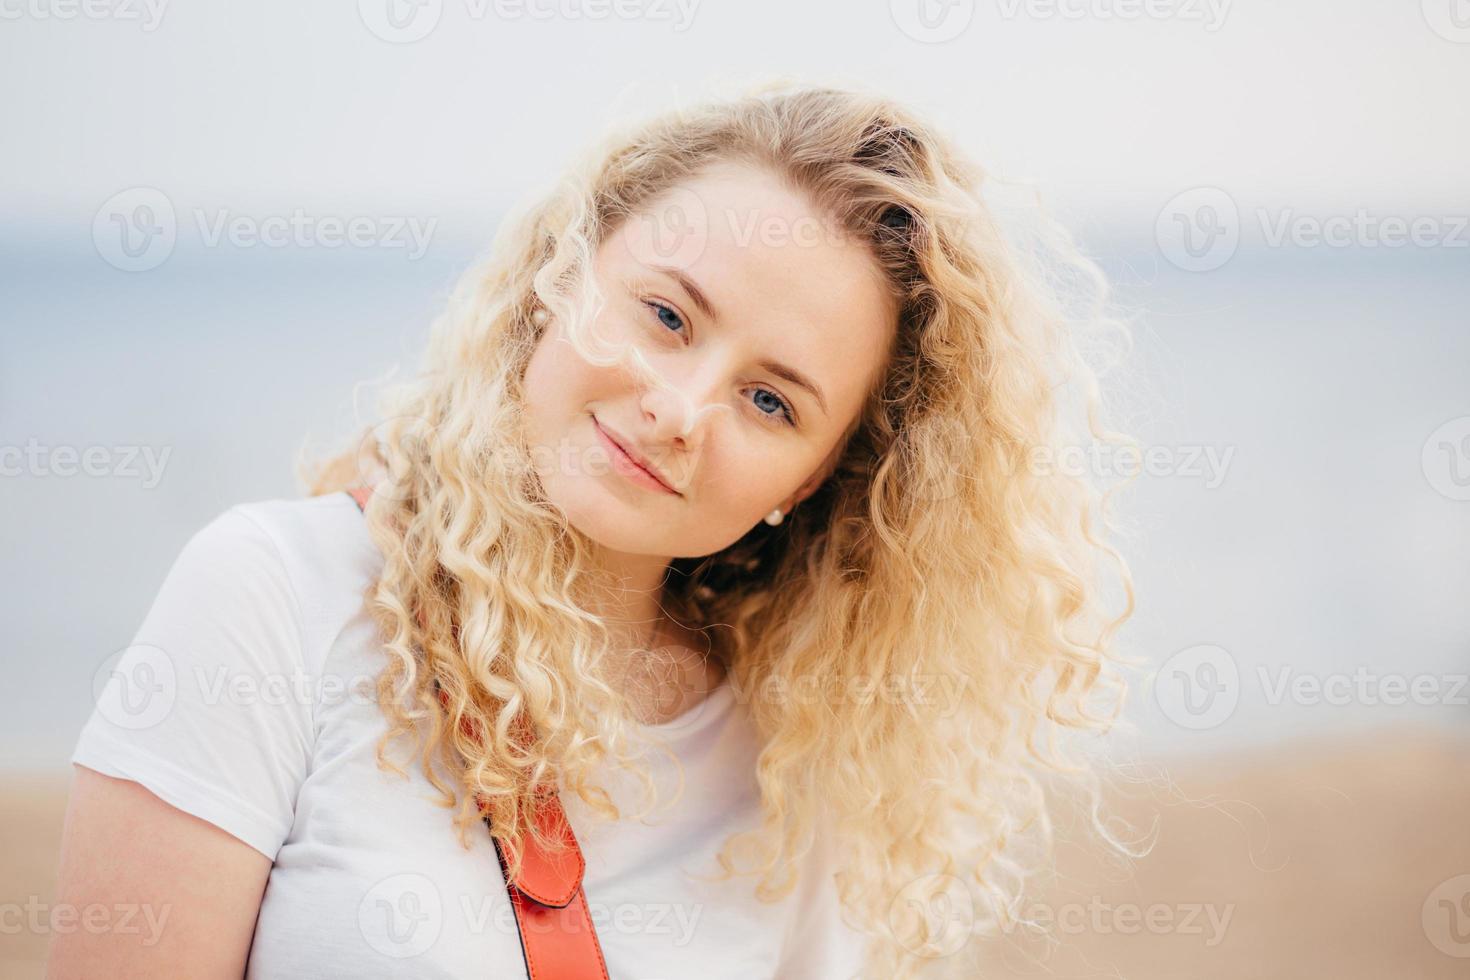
246 700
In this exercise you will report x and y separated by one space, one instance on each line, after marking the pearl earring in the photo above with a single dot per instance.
775 517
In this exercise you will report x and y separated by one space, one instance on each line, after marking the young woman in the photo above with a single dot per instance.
719 518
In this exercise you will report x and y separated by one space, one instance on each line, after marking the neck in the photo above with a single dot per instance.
662 666
629 600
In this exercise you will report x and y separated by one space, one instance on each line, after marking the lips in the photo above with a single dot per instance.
632 453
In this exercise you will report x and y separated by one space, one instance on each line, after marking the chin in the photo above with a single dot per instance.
609 521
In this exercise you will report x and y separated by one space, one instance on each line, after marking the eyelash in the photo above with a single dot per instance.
786 416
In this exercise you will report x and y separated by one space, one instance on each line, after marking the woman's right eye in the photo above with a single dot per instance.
666 315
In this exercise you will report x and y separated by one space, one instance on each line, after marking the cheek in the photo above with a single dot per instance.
747 486
554 375
556 363
536 385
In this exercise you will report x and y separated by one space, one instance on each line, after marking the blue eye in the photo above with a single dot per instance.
785 411
782 414
660 310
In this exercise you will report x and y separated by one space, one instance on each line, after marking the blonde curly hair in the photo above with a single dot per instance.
937 548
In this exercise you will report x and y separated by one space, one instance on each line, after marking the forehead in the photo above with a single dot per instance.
784 279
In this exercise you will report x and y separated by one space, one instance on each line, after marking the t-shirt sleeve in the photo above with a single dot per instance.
208 707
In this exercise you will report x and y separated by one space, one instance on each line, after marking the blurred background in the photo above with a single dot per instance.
220 221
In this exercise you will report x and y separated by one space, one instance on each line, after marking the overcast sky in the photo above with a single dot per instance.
280 104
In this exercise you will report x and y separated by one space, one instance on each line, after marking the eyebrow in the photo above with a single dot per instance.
783 371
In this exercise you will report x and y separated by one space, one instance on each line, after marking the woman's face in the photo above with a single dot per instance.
733 434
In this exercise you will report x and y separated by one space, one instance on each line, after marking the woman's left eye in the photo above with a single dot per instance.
669 317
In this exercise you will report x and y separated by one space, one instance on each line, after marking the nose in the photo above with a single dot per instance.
680 410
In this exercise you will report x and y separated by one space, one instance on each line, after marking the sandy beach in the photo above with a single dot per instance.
1333 859
1323 859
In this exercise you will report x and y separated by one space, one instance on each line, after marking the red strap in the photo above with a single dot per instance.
557 936
361 495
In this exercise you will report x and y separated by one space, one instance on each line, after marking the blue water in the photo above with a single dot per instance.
1319 546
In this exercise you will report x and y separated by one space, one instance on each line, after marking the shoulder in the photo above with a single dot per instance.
320 544
309 533
278 573
213 705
